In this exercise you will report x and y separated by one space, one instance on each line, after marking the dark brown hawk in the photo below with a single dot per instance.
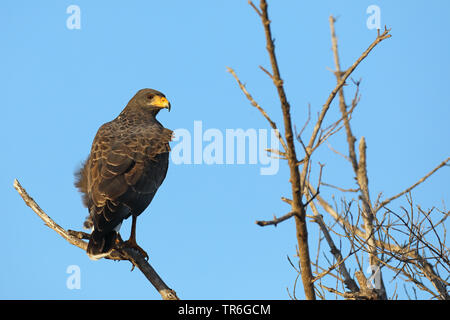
127 164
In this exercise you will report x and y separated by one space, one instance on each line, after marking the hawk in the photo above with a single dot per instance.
128 162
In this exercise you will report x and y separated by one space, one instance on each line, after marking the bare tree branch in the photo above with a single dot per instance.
119 253
348 281
385 202
275 220
257 106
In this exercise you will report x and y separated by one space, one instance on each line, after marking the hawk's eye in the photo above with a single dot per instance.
150 96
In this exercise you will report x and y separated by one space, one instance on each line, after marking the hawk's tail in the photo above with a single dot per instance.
101 244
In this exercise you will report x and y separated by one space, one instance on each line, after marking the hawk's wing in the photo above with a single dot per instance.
123 172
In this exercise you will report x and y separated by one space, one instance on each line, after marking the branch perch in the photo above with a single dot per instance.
119 253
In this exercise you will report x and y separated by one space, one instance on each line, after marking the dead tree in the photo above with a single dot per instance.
375 237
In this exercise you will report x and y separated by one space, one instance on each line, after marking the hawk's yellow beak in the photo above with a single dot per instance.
161 102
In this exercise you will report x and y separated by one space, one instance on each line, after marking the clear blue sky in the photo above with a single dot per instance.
59 85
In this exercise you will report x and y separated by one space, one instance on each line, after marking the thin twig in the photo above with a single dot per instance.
338 188
275 220
257 106
385 202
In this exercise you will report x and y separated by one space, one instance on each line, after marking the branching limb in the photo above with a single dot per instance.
359 167
385 35
297 205
291 214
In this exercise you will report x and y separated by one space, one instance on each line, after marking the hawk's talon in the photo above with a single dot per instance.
133 245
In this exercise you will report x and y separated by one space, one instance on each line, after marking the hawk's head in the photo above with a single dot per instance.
150 98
